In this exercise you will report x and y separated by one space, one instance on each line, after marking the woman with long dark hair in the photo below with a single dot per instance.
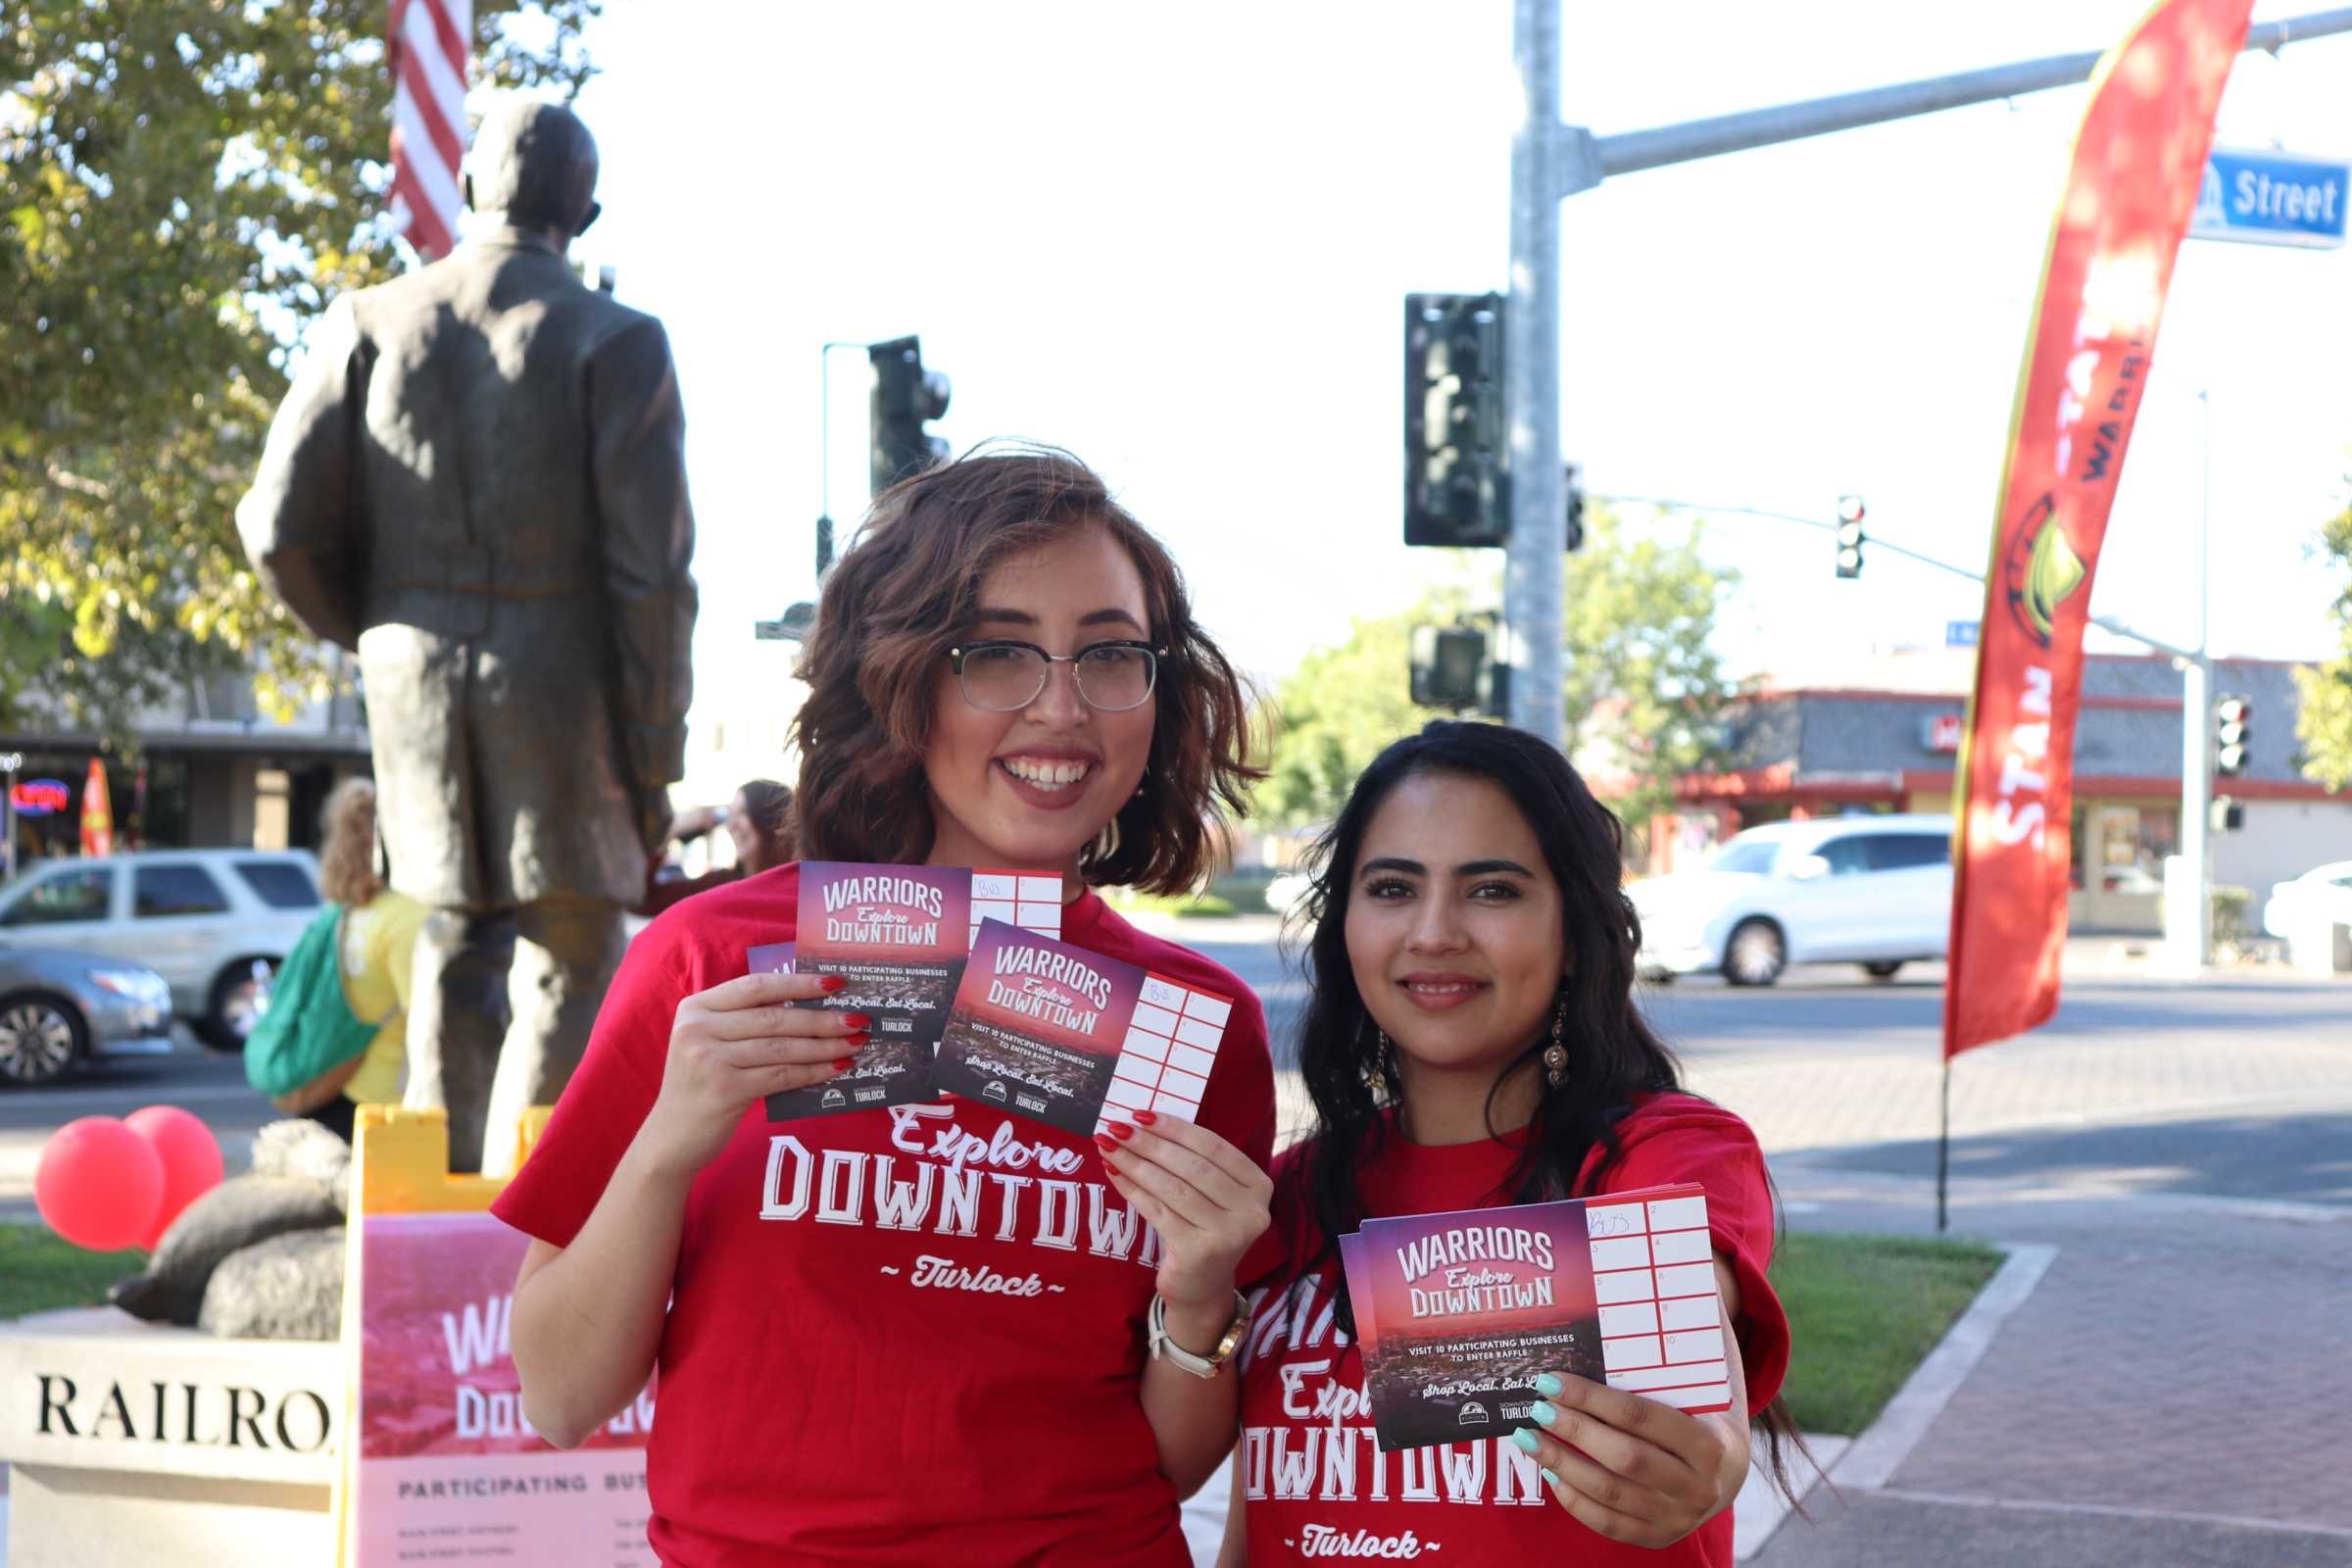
1471 1042
932 1333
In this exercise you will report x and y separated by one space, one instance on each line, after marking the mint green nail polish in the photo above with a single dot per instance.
1525 1438
1548 1476
1549 1386
1541 1413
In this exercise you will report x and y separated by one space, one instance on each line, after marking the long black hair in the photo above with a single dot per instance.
1350 1067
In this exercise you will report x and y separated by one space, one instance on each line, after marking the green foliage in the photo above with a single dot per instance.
1863 1311
2324 721
183 183
1644 696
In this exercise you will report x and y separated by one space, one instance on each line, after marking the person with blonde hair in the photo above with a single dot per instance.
374 946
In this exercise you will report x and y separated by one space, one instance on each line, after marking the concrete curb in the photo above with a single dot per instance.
1868 1462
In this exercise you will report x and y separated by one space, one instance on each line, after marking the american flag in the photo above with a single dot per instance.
427 43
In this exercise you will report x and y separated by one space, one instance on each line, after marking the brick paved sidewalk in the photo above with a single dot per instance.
2176 1389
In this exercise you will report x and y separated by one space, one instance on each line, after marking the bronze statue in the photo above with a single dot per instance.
478 482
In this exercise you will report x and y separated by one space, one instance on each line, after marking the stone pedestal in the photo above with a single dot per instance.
133 1442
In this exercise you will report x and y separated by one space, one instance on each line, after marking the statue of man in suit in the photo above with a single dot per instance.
478 482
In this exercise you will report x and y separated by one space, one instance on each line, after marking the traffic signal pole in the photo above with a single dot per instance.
1552 162
1533 560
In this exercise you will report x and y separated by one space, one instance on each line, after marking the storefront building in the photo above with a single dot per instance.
208 772
1890 743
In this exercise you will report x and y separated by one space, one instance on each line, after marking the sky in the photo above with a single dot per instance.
1176 241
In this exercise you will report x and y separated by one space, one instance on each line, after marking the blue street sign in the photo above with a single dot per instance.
2270 198
1959 634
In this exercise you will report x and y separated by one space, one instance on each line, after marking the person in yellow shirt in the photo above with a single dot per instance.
377 942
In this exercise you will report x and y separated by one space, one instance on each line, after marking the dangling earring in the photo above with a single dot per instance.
1555 1054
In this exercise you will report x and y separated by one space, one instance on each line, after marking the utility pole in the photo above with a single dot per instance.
2188 907
1532 561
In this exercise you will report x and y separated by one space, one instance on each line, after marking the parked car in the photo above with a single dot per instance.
2319 897
59 1009
1286 890
1870 889
213 923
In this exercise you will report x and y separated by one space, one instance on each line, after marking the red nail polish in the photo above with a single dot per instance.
1106 1142
831 983
1121 1131
843 1063
856 1042
1145 1117
858 1021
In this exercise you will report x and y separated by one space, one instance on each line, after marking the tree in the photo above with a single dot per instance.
2324 721
1645 697
183 183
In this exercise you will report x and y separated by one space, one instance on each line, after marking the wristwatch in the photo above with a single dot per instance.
1199 1366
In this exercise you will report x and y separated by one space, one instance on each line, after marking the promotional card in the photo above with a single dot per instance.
1457 1313
899 935
1072 1039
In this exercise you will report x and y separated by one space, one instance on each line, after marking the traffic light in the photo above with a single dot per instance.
2232 722
1448 662
1849 536
1575 493
2226 815
906 395
1457 483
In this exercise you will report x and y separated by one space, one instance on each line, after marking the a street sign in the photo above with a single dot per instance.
1960 634
2273 198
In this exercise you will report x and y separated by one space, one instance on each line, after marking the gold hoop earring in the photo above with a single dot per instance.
1555 1054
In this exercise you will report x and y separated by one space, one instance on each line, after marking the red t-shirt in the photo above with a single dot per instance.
1316 1485
911 1335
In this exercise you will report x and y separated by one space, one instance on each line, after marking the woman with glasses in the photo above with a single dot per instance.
936 1333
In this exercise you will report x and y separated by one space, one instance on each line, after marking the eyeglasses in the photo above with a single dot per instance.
1000 675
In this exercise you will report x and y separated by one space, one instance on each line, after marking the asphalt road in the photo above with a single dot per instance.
2238 1086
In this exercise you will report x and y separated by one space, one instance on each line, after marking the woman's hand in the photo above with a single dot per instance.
739 1042
1208 1199
1635 1469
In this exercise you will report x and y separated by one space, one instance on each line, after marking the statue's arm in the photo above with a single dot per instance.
301 523
639 427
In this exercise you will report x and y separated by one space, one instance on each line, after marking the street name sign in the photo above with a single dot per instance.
2273 198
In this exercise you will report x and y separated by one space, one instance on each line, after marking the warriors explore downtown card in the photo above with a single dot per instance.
1073 1038
899 935
1457 1313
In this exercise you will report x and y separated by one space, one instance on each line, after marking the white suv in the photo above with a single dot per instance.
213 923
1870 889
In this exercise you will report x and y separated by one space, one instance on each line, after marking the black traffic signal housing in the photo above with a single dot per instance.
1849 536
1449 666
1457 483
2225 815
905 397
1574 493
2233 731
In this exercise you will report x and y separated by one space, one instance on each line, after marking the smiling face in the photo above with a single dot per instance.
745 834
1033 787
1454 926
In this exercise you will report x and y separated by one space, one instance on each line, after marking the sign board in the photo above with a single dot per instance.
1941 734
1960 633
2273 198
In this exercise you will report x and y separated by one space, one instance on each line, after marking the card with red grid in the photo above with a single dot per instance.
1073 1038
1457 1313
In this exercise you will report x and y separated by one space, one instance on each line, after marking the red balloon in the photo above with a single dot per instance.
191 1157
98 1184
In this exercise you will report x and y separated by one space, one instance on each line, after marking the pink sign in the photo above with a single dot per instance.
447 1468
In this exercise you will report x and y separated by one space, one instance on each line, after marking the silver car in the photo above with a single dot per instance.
59 1009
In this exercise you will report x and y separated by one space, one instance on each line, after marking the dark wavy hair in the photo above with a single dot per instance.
1616 1055
909 586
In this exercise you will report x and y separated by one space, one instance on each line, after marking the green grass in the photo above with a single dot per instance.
1863 1311
40 1270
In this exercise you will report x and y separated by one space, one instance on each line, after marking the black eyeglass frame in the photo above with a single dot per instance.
1155 652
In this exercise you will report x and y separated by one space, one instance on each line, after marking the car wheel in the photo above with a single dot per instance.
1884 969
41 1037
235 1004
1755 956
